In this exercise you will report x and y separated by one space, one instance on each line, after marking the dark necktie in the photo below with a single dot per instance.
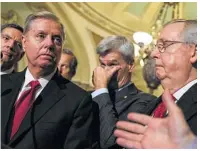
22 106
161 109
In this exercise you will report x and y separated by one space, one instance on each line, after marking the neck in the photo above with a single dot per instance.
124 81
40 72
174 84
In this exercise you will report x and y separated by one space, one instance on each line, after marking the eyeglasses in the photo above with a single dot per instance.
162 45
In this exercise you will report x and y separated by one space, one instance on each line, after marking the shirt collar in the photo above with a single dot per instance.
178 94
124 86
43 80
7 71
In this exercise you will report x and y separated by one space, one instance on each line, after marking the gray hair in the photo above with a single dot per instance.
189 33
117 43
45 15
73 64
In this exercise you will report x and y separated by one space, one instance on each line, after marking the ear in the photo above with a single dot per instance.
131 67
193 57
24 42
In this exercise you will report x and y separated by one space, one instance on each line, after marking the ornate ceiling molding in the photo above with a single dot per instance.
10 17
34 7
97 18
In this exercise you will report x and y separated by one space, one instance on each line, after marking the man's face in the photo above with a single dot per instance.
64 66
43 44
123 75
11 47
175 62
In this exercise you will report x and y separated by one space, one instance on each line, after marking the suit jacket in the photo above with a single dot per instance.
116 107
188 104
61 116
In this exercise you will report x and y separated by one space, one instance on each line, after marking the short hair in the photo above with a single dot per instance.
13 25
73 64
117 43
44 15
189 32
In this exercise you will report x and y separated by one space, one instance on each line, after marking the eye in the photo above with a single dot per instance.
6 37
58 40
159 46
40 36
103 65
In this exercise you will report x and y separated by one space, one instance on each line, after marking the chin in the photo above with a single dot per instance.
160 76
47 65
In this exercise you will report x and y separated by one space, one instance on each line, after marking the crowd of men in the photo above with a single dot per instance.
42 108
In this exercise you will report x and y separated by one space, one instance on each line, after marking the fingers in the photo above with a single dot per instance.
128 144
128 135
112 70
139 118
131 127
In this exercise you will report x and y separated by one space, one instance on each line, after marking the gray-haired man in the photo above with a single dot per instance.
114 92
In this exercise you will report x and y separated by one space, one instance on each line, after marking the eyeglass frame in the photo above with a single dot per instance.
162 50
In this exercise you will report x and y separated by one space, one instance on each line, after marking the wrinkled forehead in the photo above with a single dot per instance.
12 33
172 31
111 56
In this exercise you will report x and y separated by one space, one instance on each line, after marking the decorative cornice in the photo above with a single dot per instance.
10 17
36 6
99 19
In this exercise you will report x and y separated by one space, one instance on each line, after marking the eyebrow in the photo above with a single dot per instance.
11 37
109 61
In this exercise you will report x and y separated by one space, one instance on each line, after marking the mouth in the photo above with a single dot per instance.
47 57
5 53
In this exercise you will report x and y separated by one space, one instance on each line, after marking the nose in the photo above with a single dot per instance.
49 43
11 43
155 53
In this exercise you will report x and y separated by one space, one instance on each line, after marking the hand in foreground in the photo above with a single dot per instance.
169 132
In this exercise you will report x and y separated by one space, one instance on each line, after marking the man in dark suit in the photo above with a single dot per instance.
114 92
11 47
176 61
39 108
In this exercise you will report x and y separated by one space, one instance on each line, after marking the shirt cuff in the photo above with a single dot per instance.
99 91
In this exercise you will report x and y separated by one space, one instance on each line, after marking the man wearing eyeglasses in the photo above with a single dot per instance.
176 61
11 47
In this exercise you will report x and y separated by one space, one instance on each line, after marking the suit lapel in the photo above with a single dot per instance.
125 97
11 92
188 102
49 96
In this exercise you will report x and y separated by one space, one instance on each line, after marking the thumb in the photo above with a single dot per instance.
169 102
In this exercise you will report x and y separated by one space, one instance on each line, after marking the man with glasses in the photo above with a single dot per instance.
176 61
11 47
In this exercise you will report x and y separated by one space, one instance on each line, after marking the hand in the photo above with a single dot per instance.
101 76
169 132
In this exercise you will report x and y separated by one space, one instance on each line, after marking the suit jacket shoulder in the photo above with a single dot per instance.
61 116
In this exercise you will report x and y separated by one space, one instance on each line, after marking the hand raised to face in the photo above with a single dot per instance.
102 75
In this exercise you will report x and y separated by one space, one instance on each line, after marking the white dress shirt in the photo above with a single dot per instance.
178 94
28 78
105 90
